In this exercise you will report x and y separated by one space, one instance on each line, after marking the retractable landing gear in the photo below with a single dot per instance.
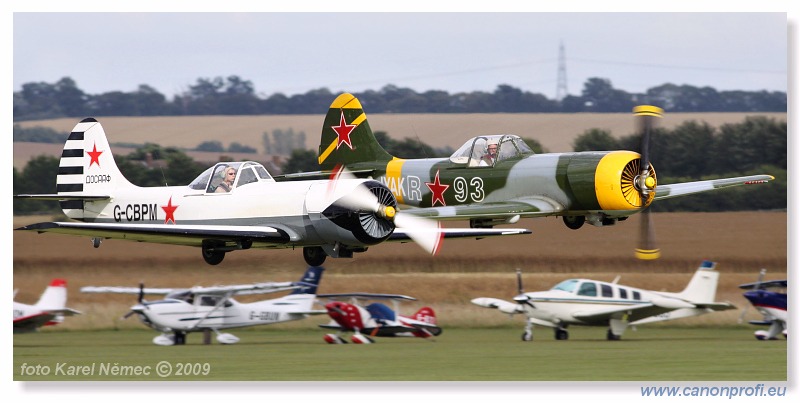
314 255
210 254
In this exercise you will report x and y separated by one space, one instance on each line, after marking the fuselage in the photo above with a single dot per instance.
575 182
769 303
200 312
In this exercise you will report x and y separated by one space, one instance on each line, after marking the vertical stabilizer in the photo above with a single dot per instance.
87 167
311 277
346 136
702 288
54 296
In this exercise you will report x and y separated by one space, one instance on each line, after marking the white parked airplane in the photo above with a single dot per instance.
49 310
584 302
207 309
323 217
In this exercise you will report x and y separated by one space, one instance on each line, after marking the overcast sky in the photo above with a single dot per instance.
296 52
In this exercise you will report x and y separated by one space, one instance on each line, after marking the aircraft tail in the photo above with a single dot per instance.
346 136
311 279
87 170
702 288
54 296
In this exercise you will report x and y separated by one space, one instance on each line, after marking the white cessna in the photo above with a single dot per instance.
584 302
324 217
209 309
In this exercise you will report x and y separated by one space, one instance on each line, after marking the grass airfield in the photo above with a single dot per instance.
654 353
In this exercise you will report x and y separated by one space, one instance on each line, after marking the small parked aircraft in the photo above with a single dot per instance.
49 310
584 302
207 309
497 179
324 217
769 298
375 319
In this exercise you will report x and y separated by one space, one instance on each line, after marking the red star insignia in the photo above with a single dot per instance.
437 190
94 155
343 131
170 210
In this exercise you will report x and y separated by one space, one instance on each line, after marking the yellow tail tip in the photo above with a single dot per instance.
648 110
648 254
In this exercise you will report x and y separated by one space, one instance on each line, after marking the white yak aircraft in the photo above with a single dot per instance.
324 217
203 309
49 310
584 302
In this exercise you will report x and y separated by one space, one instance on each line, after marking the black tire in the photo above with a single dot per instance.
612 336
314 255
562 334
527 336
213 258
574 222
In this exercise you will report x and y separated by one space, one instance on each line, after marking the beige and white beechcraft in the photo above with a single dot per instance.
585 302
323 217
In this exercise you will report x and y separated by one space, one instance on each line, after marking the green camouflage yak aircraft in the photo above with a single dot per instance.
498 179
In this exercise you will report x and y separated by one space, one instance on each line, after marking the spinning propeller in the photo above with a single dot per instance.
425 232
646 183
140 299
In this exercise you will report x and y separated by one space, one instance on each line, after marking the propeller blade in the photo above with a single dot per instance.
519 282
359 199
646 183
141 292
425 232
128 315
647 249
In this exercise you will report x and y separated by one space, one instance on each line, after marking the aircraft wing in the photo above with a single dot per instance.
366 295
687 188
30 323
765 284
503 306
633 313
716 306
404 235
192 235
524 208
128 290
247 289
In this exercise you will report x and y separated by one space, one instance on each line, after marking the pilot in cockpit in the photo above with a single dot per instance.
491 154
227 181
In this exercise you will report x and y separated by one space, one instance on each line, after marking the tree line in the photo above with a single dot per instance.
236 96
689 152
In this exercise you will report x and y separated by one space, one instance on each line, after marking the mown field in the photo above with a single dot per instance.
555 131
656 353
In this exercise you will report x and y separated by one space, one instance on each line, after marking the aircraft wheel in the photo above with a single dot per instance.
574 222
314 255
527 336
213 258
612 336
180 338
562 334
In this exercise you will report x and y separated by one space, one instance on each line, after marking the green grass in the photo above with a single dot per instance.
655 353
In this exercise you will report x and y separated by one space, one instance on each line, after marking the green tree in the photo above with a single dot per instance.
301 160
595 140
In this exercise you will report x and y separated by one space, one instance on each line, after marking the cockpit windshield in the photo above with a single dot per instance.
225 176
566 285
484 151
